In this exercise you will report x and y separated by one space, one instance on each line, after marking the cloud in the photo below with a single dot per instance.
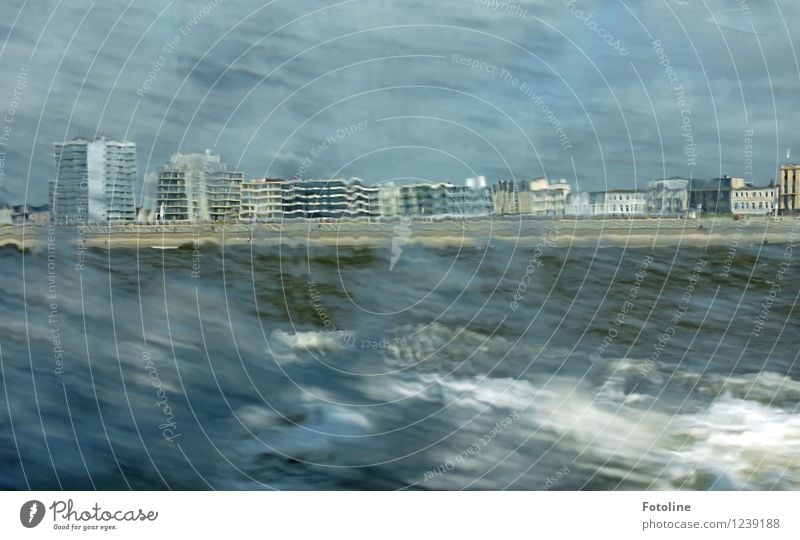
264 83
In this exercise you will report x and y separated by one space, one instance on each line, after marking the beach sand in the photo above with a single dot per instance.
637 233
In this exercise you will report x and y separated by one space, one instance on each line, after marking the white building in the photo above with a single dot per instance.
389 200
754 200
197 188
262 200
94 181
624 203
668 197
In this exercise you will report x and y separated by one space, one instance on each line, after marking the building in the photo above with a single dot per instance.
262 200
579 205
713 196
94 183
329 199
536 197
751 200
622 203
197 188
668 197
389 200
224 193
546 199
425 199
469 201
789 188
6 215
363 201
506 197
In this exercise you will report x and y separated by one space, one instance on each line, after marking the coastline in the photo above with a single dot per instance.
636 233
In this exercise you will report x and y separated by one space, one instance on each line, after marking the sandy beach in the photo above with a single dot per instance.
469 233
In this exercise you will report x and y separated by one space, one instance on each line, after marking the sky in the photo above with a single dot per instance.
605 94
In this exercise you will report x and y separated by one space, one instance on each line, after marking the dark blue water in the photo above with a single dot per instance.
500 368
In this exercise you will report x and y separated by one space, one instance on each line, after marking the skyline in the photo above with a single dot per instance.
202 75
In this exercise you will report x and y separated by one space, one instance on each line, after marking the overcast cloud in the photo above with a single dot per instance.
561 93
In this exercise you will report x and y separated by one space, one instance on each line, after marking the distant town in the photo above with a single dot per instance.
95 183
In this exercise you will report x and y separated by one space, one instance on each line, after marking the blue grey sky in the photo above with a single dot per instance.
565 89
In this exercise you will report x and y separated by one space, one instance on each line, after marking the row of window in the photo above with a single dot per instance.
746 194
752 206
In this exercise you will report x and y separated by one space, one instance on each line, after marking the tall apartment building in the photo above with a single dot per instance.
789 188
262 200
94 182
197 188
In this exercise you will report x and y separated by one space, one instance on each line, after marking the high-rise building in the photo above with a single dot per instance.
94 181
789 188
197 188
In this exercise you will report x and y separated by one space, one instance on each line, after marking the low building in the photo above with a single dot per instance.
536 197
389 200
6 215
262 200
329 199
579 205
469 201
624 203
713 196
425 200
668 197
751 200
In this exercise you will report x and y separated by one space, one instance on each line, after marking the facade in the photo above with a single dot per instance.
668 198
546 199
224 193
329 199
467 201
425 200
506 197
713 196
6 215
752 200
388 200
94 181
197 188
532 198
789 188
578 205
262 200
623 203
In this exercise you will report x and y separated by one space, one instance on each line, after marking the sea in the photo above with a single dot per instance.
485 367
